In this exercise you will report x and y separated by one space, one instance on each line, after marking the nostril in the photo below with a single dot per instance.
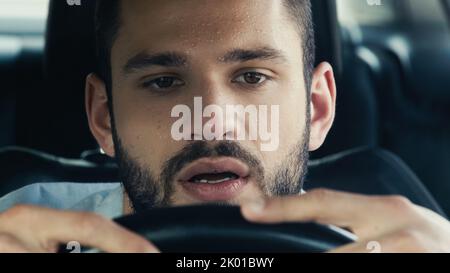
228 135
195 136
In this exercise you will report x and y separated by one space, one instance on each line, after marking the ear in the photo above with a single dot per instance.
96 102
323 104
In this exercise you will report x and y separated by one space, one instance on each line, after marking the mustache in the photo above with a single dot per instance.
201 149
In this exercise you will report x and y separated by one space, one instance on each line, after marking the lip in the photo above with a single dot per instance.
214 192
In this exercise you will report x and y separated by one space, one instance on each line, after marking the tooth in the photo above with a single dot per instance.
220 181
200 181
205 181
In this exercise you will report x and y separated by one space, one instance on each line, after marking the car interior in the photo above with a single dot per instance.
391 134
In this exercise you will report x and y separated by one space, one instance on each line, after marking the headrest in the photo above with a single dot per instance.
327 33
69 58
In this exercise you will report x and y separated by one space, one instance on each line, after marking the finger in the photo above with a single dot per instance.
321 206
95 231
47 228
360 247
366 216
403 241
10 244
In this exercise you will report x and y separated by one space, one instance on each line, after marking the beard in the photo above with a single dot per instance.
147 190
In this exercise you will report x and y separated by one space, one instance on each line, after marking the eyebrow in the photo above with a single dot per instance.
144 60
245 55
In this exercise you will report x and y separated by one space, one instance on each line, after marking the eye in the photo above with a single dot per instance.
163 83
251 78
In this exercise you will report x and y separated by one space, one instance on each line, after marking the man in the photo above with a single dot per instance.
159 56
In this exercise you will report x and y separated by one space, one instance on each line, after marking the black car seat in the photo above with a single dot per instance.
58 123
409 68
356 121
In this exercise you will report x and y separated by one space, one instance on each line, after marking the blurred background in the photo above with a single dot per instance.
393 79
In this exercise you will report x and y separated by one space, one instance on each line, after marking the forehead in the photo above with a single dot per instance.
176 25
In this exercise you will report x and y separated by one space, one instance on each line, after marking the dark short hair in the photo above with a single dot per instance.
107 24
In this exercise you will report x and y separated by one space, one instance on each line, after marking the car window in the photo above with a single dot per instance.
428 12
23 16
382 13
366 12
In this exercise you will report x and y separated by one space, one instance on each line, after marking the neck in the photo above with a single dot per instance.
127 206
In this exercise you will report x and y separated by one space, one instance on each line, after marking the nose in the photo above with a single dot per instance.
212 119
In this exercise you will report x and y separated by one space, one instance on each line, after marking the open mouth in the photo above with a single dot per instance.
213 178
217 179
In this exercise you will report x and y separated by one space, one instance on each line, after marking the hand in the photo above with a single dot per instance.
393 222
35 229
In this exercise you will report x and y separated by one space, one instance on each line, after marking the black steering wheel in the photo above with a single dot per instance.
222 229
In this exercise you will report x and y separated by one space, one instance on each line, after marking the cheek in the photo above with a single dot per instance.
292 121
144 128
293 108
293 116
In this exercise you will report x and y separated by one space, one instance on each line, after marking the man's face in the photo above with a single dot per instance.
226 53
